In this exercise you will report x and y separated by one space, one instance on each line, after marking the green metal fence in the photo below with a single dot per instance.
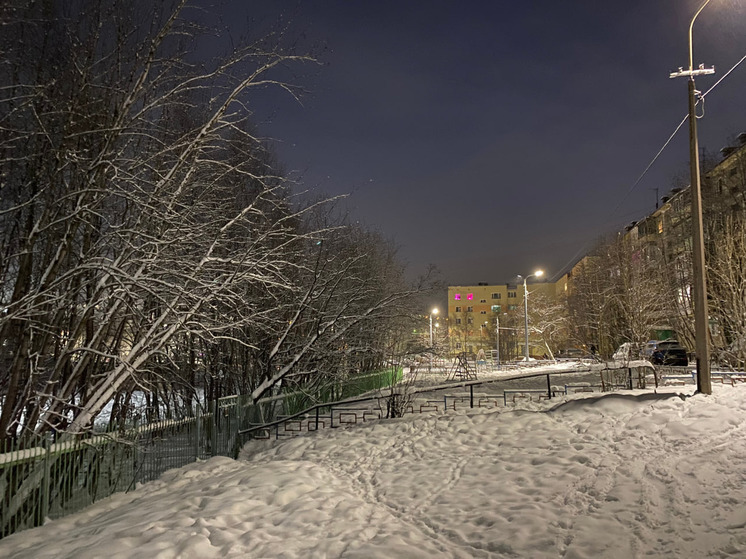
46 479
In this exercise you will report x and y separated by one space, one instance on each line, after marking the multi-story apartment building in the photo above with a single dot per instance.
724 186
475 312
665 236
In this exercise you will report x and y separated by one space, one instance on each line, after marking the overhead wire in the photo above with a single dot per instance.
645 172
652 162
724 76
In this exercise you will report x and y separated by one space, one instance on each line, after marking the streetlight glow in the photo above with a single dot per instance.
432 313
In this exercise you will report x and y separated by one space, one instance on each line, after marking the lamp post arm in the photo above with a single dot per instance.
691 27
525 315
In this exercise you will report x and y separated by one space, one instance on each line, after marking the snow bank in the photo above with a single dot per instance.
622 475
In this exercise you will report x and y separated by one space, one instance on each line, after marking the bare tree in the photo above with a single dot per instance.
727 286
137 198
621 294
548 319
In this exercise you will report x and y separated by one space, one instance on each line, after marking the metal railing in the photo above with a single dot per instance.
331 414
42 478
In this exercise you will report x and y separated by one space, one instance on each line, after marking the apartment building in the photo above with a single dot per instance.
475 312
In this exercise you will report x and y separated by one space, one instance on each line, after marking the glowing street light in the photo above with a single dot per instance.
536 274
433 312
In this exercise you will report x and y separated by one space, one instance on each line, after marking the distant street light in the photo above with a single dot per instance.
699 279
538 274
497 338
432 312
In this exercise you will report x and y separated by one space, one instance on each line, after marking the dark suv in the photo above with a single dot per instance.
669 353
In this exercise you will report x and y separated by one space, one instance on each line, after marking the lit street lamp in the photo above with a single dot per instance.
538 274
432 312
699 279
497 339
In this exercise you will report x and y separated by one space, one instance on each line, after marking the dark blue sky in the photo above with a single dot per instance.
490 138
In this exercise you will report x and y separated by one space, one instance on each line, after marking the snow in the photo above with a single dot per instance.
624 474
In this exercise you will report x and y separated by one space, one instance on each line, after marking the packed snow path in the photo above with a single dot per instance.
624 475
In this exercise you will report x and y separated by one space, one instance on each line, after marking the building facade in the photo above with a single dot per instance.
490 317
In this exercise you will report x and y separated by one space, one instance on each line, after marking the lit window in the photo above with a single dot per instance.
457 296
495 308
470 296
512 307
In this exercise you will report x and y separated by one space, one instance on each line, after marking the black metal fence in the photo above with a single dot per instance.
504 390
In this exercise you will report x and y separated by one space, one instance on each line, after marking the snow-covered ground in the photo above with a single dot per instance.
626 474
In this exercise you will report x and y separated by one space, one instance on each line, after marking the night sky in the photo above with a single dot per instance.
492 138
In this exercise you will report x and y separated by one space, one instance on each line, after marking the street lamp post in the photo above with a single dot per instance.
432 312
538 274
699 279
497 339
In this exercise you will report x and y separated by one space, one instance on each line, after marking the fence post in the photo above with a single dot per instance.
239 414
549 387
135 452
317 418
214 428
44 504
629 373
197 432
471 395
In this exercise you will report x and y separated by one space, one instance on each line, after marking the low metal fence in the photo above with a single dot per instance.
43 478
532 386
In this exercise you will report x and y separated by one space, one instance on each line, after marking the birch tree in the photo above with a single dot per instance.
148 241
135 199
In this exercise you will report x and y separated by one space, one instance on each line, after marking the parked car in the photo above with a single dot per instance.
652 345
572 353
669 353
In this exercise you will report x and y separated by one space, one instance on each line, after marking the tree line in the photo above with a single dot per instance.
149 241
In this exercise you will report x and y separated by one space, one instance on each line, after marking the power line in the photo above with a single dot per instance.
657 155
721 79
645 172
665 145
